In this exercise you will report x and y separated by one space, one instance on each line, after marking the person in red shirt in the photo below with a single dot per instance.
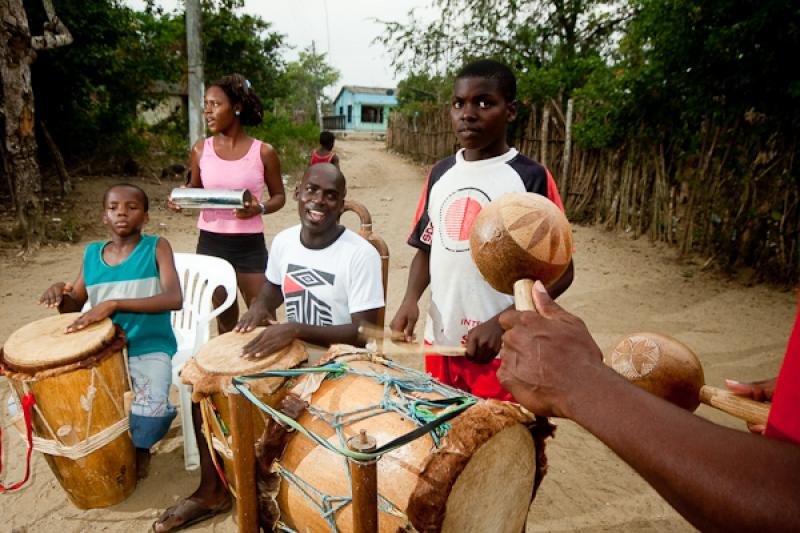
717 478
324 152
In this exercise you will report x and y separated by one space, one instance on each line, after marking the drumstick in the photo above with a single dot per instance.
392 347
421 349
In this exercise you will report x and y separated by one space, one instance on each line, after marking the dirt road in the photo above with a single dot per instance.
621 286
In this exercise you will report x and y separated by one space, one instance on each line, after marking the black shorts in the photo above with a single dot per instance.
247 253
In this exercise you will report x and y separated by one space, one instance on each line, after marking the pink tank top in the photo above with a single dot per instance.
244 173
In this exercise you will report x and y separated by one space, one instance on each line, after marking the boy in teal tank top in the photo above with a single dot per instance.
131 279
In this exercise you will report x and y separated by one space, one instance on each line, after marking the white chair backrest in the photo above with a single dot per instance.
199 275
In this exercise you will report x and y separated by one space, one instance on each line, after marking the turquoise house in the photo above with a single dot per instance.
359 108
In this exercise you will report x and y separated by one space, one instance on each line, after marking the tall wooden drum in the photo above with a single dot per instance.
477 473
79 381
210 373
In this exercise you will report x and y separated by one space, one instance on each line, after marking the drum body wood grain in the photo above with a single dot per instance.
481 478
79 382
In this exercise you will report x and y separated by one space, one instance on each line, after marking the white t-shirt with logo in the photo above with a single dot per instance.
324 287
455 193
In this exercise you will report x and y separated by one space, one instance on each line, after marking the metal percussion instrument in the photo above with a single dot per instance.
194 198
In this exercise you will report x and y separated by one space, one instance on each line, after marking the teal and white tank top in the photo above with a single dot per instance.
136 277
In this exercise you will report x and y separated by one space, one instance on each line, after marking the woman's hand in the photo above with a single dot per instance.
172 205
251 209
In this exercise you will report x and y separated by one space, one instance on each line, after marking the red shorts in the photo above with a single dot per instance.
461 373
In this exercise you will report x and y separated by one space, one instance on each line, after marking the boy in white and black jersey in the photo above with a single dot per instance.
464 308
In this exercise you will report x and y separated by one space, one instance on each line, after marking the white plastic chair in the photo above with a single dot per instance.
199 275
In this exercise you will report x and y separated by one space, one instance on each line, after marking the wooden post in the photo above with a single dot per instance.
244 462
545 133
364 479
194 56
564 185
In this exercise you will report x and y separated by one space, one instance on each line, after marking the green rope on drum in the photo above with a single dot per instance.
398 396
326 505
454 403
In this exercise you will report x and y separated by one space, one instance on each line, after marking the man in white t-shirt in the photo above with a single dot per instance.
330 280
328 277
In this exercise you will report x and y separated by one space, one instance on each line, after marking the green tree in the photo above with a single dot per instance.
306 79
238 42
552 44
89 92
417 91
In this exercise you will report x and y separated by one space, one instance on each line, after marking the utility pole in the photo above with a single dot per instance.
194 52
317 90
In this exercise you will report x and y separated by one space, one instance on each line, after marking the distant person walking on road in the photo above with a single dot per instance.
324 153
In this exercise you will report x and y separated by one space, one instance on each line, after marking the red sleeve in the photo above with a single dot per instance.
552 192
784 420
420 236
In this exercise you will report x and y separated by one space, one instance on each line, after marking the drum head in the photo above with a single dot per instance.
43 344
221 356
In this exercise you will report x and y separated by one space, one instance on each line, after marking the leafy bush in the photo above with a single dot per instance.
292 141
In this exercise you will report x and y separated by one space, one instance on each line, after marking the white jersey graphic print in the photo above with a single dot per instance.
325 287
301 304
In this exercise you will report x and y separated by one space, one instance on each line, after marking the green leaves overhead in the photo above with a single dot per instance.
88 92
552 44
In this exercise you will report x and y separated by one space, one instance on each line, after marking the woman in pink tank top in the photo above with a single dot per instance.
230 159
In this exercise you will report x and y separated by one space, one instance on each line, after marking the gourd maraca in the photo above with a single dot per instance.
670 369
520 238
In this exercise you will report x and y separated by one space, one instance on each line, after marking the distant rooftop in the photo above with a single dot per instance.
360 89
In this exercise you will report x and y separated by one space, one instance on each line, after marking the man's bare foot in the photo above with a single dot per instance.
142 463
190 511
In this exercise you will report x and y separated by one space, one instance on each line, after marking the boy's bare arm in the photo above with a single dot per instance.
278 336
262 310
169 299
419 277
484 341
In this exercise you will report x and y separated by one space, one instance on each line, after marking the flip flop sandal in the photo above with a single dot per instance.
189 507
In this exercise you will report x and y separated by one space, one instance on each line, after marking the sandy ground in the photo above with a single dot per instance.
621 286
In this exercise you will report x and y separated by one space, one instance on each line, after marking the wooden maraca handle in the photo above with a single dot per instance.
750 411
523 295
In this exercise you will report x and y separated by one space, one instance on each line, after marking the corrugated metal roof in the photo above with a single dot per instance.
370 90
360 89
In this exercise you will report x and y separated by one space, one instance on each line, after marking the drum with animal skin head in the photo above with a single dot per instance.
79 382
210 373
479 473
